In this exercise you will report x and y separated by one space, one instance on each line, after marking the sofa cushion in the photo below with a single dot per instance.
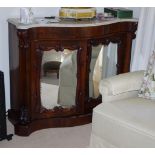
121 83
125 123
147 89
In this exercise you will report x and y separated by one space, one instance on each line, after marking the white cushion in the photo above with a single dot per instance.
125 123
111 98
121 83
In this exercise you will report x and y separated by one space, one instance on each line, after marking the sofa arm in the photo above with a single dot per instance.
121 83
121 86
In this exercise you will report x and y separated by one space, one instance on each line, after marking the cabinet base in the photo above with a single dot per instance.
27 129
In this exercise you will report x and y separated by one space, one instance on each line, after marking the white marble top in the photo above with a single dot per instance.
42 22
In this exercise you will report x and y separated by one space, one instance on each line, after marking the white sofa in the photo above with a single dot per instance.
123 119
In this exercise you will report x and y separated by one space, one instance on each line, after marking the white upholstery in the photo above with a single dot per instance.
125 122
68 81
121 86
121 83
49 94
94 80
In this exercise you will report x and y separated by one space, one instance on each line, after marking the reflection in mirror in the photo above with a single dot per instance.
103 65
58 78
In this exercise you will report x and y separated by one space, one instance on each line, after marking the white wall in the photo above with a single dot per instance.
6 13
136 11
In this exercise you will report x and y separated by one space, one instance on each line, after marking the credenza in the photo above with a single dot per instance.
26 46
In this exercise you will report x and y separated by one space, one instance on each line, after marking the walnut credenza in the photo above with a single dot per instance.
26 43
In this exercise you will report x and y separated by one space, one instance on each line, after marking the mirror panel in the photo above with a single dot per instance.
102 65
58 78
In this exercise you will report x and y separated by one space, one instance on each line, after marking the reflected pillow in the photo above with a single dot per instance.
147 89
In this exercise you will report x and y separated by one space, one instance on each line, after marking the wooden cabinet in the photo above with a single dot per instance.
26 44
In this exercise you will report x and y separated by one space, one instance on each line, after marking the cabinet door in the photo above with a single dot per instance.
54 82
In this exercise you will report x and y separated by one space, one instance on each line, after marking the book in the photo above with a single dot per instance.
119 12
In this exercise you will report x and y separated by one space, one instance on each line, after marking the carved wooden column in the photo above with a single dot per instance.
81 71
24 45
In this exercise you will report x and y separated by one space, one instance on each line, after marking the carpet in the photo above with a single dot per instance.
68 137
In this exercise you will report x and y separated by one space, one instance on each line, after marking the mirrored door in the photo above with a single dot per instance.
58 78
102 65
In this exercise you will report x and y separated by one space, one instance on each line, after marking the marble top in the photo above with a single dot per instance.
42 22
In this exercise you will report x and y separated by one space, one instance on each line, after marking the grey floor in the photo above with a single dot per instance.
51 78
69 137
